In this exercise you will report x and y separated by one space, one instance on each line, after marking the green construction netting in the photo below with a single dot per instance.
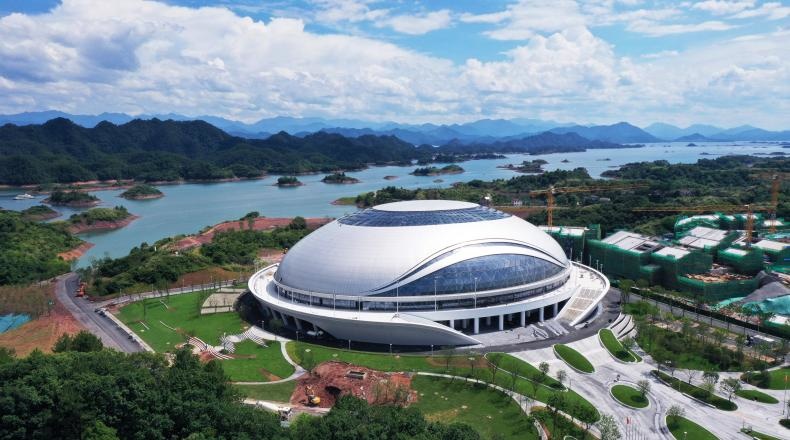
718 291
685 223
748 264
672 268
615 261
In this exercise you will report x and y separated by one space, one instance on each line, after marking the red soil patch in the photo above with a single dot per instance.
43 332
76 253
79 228
260 224
333 379
271 255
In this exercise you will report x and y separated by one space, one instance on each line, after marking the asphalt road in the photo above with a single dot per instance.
83 311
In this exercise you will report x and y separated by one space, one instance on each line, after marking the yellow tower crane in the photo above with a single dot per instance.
725 209
552 190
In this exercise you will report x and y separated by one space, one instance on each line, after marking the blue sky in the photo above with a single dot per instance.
723 62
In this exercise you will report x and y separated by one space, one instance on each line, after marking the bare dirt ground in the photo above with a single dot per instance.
259 224
333 379
76 253
43 332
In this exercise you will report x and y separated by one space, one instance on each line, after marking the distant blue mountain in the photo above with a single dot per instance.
480 131
668 131
622 132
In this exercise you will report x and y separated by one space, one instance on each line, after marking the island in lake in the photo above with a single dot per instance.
142 192
528 166
99 219
339 178
288 181
434 171
39 213
390 177
74 199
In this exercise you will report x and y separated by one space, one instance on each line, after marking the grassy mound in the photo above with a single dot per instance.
684 429
574 358
756 396
696 392
614 346
629 396
771 380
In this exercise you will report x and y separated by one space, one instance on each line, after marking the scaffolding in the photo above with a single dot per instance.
718 291
744 261
675 262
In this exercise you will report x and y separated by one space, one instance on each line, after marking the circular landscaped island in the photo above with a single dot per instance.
629 396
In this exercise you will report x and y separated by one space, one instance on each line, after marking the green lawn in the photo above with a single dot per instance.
759 435
459 365
694 432
256 363
629 396
719 402
491 413
180 312
277 392
511 363
775 380
614 346
564 427
574 358
756 396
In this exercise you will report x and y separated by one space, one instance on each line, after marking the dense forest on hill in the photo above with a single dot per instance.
28 249
729 180
60 151
85 392
154 150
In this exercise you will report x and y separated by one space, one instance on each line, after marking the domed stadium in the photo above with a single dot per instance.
426 272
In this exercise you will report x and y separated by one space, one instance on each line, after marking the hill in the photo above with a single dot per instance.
154 150
622 132
548 142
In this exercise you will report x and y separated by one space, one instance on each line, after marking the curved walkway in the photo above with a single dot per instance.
650 422
298 370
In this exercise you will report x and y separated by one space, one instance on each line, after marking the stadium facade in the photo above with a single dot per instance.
427 272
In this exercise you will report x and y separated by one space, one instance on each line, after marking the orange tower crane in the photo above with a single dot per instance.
552 190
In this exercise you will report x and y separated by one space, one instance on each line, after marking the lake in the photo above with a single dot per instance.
186 208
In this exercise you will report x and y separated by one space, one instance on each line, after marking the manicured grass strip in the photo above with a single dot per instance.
182 312
756 396
255 363
629 396
276 392
696 392
774 381
564 427
614 346
681 425
459 365
490 412
574 358
511 363
759 435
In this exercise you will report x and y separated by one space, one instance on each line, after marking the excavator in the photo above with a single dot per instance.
312 399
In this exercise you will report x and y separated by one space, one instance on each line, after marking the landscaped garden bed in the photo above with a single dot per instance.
573 358
696 392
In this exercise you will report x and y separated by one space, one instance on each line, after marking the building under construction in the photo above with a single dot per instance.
708 255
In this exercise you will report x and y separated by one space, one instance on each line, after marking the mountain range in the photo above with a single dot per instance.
477 132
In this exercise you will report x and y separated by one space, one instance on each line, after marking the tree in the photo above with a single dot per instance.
544 370
709 379
562 376
644 387
691 374
7 355
608 428
625 290
494 362
674 413
730 386
275 325
447 354
99 431
84 341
